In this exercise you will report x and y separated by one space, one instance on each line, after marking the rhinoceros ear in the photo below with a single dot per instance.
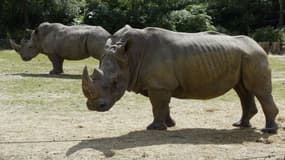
128 26
29 30
121 56
123 45
32 31
36 31
108 43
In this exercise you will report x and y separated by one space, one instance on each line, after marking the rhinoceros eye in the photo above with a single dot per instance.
114 84
105 87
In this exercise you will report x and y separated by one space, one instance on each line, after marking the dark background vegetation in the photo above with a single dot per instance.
261 19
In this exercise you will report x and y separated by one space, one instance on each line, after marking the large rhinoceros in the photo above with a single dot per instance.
60 42
161 64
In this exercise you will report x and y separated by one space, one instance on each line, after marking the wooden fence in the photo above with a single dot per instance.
277 48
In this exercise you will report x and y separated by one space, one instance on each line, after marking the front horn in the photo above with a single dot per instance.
14 45
88 87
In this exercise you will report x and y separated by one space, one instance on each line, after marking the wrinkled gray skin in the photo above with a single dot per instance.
161 64
60 42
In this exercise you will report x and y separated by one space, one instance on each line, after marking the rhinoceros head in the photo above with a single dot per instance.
107 84
27 49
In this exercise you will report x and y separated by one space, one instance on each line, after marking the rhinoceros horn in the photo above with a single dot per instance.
14 45
97 74
88 87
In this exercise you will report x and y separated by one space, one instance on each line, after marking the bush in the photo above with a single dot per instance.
268 34
114 14
109 15
192 19
62 11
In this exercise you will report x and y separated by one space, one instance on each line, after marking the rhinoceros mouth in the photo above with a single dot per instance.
26 59
99 108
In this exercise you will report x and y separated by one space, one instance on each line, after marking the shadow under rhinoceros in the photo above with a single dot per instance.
183 136
62 76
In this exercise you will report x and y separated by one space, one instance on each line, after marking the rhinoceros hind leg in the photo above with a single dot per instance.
248 106
57 63
256 76
170 122
270 111
271 127
160 108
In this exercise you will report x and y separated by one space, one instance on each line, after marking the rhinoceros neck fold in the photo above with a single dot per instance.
133 78
135 66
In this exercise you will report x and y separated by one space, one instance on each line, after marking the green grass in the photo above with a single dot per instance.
278 74
278 66
27 84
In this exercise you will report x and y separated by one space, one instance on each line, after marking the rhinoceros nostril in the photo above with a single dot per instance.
102 105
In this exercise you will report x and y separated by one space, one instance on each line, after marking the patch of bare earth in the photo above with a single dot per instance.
203 130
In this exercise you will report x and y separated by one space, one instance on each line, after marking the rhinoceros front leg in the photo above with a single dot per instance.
57 63
160 108
248 106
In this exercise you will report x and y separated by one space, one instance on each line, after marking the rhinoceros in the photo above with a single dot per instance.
60 42
161 64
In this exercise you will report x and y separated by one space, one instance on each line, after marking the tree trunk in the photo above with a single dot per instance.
281 13
24 11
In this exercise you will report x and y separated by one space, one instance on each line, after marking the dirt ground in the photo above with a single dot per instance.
45 118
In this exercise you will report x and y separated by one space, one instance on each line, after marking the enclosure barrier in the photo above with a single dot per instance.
276 48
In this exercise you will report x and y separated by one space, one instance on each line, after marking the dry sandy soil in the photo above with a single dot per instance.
45 118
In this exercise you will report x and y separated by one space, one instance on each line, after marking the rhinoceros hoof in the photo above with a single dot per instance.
242 124
271 127
270 130
55 72
157 126
170 122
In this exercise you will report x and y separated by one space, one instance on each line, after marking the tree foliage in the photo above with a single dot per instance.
230 16
139 13
16 16
193 18
268 33
244 16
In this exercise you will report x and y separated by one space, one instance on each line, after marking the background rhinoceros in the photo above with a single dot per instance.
60 42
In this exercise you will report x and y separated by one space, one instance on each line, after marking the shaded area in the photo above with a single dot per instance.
183 136
39 141
62 76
